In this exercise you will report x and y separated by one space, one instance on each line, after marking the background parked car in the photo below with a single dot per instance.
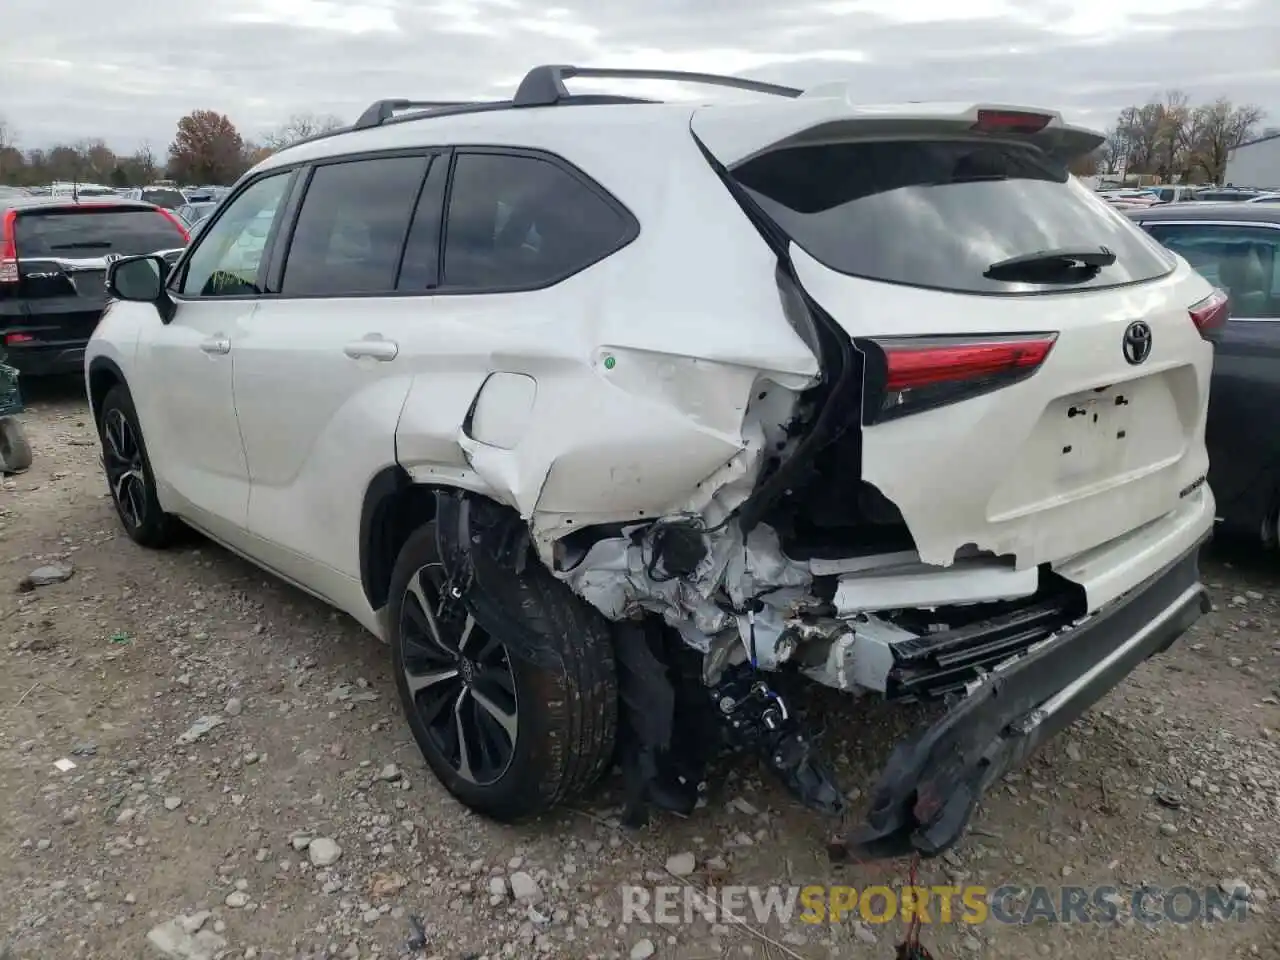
193 212
72 189
1236 247
1226 194
1175 192
170 198
53 262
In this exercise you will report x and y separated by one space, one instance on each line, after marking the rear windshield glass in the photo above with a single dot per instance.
940 213
95 233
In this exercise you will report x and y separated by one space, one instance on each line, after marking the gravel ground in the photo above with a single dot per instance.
244 785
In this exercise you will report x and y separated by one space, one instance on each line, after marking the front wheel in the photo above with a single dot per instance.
507 738
129 476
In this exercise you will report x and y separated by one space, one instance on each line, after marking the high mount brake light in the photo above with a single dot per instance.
920 374
1011 121
1211 313
8 248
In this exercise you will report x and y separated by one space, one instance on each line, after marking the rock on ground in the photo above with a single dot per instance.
171 939
323 852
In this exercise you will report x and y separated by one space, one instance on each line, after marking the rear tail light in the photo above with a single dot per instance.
8 248
1011 121
922 373
176 221
10 338
1211 313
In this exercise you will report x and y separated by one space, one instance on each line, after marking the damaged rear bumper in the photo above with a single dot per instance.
931 785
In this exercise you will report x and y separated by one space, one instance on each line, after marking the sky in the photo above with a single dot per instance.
127 70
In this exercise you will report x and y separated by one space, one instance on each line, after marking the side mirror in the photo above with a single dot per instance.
137 279
141 280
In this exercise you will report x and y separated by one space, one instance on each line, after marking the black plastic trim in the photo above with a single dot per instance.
932 784
375 560
101 365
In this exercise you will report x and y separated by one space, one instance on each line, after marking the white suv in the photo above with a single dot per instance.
617 418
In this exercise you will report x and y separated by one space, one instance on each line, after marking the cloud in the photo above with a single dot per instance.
128 71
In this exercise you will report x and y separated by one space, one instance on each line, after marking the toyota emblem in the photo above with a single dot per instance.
1137 342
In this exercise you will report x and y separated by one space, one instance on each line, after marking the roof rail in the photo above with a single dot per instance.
544 86
380 111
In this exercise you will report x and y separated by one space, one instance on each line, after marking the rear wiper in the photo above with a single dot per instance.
1064 263
83 245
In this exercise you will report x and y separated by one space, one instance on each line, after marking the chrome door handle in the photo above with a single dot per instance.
216 345
375 349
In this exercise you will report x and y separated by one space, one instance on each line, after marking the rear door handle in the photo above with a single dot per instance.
372 347
216 345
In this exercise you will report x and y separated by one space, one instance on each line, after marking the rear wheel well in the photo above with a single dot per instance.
394 507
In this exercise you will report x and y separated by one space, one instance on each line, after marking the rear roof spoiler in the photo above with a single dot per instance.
736 133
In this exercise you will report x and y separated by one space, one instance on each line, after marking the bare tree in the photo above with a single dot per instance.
1172 145
97 161
11 159
144 160
1139 127
299 127
1219 128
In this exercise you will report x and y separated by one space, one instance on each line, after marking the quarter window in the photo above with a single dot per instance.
519 222
352 227
1243 260
227 258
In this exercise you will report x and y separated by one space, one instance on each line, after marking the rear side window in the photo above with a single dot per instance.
352 227
95 233
520 222
939 214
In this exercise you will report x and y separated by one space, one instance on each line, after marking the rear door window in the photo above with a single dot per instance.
352 226
87 233
1241 259
939 214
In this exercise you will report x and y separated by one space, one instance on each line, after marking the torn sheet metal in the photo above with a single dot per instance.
861 657
970 582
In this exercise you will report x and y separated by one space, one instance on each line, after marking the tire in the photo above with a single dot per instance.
130 479
558 725
15 452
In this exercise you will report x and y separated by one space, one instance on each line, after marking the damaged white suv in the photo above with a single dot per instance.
617 417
